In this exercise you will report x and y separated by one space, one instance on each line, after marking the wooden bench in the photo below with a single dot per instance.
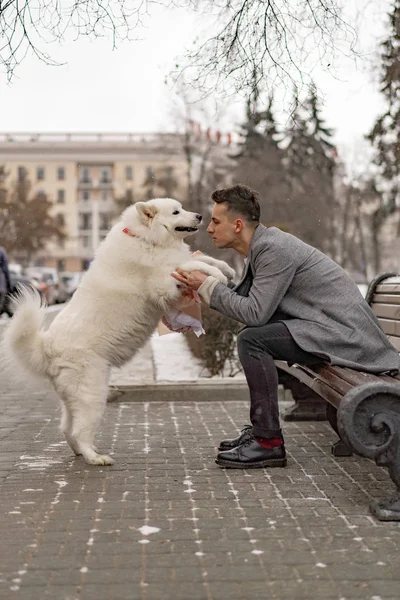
363 409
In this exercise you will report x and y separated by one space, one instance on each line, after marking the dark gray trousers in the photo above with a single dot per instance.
257 348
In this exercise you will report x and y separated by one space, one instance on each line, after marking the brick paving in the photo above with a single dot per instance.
166 523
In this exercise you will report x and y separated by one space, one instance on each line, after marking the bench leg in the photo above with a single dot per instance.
339 448
308 405
387 510
368 419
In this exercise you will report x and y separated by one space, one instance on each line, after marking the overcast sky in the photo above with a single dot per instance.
100 89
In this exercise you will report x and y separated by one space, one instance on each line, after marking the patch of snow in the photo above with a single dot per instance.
36 463
173 359
147 530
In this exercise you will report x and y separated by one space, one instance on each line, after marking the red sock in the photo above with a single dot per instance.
269 442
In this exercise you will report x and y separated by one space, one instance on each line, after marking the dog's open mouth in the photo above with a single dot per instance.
188 229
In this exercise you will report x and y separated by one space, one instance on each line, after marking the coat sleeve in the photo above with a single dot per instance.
273 272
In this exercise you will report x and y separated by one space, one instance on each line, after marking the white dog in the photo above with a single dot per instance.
115 309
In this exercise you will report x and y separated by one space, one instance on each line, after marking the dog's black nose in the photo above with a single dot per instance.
199 218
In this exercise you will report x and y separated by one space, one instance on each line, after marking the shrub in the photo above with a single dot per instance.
217 349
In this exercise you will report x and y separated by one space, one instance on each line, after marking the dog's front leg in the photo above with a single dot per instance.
197 265
214 262
167 293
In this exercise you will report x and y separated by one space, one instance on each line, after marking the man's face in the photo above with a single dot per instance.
222 227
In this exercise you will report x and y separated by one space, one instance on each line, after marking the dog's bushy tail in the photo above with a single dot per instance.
22 344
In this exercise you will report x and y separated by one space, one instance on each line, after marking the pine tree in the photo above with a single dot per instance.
385 135
310 161
260 162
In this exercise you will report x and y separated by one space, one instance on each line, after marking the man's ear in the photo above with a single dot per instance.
238 225
146 212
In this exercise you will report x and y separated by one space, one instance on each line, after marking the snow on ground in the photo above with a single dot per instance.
363 288
173 360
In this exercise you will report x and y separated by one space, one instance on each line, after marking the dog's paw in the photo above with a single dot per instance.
228 272
215 272
100 459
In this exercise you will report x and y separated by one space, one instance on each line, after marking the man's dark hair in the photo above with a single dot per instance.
240 199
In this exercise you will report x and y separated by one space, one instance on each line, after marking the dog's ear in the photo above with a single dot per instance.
146 212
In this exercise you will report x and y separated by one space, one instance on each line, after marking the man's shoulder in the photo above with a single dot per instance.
273 238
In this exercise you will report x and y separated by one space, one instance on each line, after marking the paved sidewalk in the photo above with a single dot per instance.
166 523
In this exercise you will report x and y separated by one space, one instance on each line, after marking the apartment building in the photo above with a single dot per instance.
84 175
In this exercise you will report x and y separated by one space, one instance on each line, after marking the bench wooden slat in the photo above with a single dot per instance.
328 376
352 378
391 379
390 327
395 341
340 379
324 390
385 299
390 311
388 288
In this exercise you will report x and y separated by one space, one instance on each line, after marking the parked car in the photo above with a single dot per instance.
16 281
69 281
48 281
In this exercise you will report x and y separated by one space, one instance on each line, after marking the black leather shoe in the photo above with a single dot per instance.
251 455
245 434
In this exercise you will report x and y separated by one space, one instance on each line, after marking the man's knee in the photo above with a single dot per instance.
246 339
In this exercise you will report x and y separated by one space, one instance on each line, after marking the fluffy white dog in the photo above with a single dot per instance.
115 309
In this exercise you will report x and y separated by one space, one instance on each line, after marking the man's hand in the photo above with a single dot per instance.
192 280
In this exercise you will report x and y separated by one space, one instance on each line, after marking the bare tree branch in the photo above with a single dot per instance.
273 38
27 26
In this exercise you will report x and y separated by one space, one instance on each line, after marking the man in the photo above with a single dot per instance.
297 305
5 285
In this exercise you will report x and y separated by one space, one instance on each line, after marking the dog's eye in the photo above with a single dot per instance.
176 212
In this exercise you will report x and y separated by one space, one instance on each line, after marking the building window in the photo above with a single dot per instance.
60 220
60 244
41 194
60 173
60 196
149 173
85 221
150 194
105 220
105 195
40 173
129 173
21 174
85 175
61 264
105 175
85 195
85 241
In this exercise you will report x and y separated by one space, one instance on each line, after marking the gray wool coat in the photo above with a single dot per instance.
289 281
5 284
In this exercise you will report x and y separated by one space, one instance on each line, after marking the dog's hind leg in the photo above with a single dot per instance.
66 427
85 398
